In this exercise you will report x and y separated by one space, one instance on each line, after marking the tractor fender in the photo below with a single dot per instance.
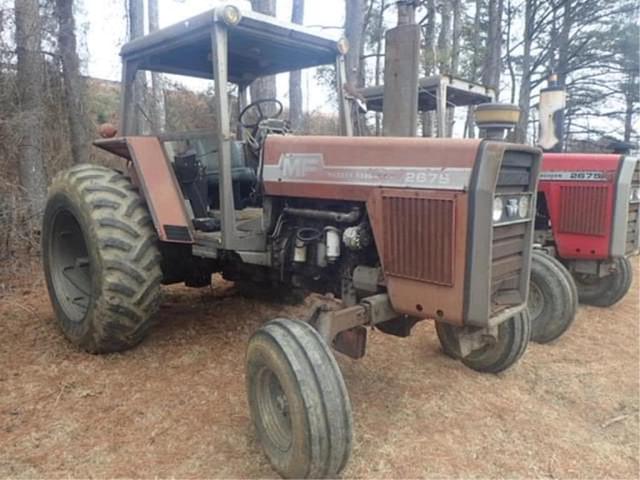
151 171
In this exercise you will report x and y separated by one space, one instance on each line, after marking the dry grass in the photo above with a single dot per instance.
175 406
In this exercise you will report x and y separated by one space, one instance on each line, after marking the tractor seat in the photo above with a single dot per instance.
239 174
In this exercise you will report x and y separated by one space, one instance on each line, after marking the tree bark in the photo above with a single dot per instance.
354 28
73 87
628 114
379 57
407 12
264 87
525 82
475 65
296 117
30 75
455 55
157 110
444 39
429 59
493 60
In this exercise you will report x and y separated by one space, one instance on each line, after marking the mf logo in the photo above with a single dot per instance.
300 165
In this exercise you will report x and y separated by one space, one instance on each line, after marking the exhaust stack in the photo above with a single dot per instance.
553 101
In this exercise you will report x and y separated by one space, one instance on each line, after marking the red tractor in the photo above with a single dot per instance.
587 208
398 230
553 299
587 217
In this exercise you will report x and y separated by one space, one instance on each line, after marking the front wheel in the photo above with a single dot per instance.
605 291
298 401
553 299
498 353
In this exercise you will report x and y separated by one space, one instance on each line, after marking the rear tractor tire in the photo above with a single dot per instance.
605 291
496 355
101 259
553 298
298 401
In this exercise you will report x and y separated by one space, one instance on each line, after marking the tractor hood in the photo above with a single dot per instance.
348 168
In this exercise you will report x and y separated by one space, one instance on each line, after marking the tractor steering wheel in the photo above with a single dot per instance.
257 105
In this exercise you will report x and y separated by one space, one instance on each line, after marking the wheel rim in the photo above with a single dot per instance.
273 408
536 301
70 266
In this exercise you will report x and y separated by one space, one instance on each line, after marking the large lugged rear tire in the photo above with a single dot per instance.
605 291
298 401
553 299
510 345
101 259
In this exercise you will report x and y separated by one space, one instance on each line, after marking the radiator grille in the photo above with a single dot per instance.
510 241
584 209
419 236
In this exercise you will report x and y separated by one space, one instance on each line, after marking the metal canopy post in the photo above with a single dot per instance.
243 101
219 43
127 103
441 112
346 124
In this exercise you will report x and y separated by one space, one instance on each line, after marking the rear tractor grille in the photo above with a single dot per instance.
510 242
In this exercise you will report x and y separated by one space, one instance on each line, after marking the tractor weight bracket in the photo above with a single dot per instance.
343 328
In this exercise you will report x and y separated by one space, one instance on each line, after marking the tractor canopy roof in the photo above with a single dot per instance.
459 93
258 45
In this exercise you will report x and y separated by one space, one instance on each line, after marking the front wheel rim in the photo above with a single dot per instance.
536 301
273 409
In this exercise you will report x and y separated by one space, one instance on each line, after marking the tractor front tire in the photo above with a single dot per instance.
101 259
605 291
553 298
298 401
495 357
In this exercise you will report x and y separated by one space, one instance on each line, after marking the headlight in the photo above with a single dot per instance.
523 207
498 209
231 15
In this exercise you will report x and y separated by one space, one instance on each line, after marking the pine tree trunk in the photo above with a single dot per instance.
444 39
264 87
429 59
493 60
136 30
406 12
475 64
354 27
295 78
73 87
563 64
525 83
630 110
157 111
379 58
444 56
30 72
455 55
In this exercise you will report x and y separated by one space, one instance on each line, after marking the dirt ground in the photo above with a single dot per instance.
175 406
